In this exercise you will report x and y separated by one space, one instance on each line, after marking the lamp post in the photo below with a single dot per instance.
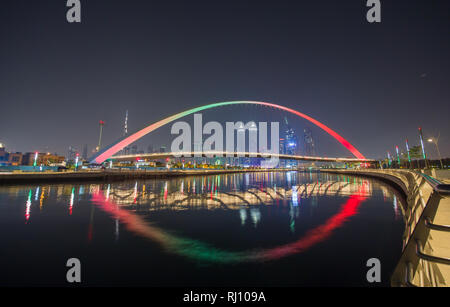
435 141
398 156
36 154
423 147
76 161
409 156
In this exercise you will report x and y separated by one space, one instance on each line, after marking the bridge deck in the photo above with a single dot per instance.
163 155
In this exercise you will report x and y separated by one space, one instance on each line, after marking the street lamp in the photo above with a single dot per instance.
435 141
423 147
36 154
76 161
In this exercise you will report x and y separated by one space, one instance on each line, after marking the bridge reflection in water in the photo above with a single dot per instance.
246 219
229 192
204 193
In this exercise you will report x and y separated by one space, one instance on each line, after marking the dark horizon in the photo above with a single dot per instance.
375 84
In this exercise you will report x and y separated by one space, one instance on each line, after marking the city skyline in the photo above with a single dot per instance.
392 81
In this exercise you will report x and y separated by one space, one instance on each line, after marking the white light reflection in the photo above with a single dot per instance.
294 196
28 207
243 215
256 216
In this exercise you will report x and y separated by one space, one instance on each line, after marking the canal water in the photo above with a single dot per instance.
252 229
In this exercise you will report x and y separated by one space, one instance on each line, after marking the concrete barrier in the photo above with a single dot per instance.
441 174
114 175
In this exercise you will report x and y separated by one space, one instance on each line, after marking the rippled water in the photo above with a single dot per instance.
254 229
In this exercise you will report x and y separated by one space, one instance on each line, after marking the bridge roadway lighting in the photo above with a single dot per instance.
435 141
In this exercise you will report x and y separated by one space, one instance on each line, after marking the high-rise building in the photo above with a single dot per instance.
240 135
150 149
125 127
71 153
3 153
125 150
134 149
101 123
308 141
290 144
252 143
291 141
85 152
282 146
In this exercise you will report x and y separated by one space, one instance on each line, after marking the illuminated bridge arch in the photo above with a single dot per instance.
110 150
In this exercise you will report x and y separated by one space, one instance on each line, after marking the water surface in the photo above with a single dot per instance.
253 229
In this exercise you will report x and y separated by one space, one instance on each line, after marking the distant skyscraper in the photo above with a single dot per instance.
290 144
291 141
125 128
253 143
162 149
150 149
3 153
102 123
308 140
282 146
134 149
85 152
125 150
241 136
71 153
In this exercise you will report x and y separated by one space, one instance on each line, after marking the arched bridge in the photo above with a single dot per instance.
110 150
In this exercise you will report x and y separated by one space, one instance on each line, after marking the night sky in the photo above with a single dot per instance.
375 84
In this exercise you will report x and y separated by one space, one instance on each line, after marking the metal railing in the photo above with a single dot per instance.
427 257
437 185
430 225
